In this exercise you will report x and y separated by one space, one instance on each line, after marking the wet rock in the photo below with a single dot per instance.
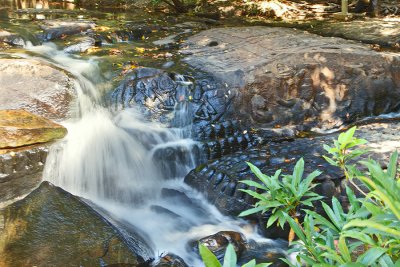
20 171
219 179
82 46
54 29
174 196
246 250
265 253
335 83
36 87
200 102
218 243
11 38
170 260
132 31
21 128
54 228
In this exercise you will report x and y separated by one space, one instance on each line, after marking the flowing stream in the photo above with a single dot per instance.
109 159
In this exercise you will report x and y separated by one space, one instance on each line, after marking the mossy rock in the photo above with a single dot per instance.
21 128
51 227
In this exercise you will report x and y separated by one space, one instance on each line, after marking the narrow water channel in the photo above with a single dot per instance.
109 158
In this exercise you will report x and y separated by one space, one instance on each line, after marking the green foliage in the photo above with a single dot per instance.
344 150
281 195
230 259
367 234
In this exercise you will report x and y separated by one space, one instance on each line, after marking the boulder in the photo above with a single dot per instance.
81 45
263 251
217 243
284 76
36 87
20 171
11 38
21 128
51 227
180 101
54 29
219 179
170 260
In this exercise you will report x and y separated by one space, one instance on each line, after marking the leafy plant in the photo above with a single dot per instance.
343 151
282 195
230 259
368 234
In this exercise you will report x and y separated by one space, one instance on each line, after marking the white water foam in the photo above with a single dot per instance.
111 160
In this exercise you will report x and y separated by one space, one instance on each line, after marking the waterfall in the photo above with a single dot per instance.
113 160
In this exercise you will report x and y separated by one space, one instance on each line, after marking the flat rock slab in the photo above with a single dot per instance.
51 227
21 128
53 29
384 32
36 87
285 76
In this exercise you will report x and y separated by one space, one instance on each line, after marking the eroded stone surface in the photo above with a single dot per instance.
285 76
51 227
219 179
53 29
11 38
21 128
20 171
36 87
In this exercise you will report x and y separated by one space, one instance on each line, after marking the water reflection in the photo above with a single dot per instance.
38 4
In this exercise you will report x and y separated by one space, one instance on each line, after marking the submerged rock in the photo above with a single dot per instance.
36 87
284 76
21 128
51 227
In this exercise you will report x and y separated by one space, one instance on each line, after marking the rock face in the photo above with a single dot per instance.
36 87
282 76
51 227
219 178
20 171
21 128
53 29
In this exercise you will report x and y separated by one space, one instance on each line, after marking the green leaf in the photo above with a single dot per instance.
265 264
251 211
297 230
251 263
208 257
374 225
331 161
230 257
392 167
335 220
321 220
366 239
298 172
344 250
371 256
254 194
254 184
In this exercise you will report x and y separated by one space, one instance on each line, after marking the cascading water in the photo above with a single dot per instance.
111 159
